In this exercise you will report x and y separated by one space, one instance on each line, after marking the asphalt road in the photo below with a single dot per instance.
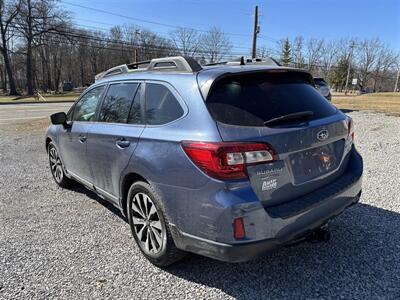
16 113
69 244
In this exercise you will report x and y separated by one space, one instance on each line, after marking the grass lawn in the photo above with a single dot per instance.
388 103
48 97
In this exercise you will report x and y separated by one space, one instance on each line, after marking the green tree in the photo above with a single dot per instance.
286 57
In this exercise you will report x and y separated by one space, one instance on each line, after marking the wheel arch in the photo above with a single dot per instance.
126 183
48 141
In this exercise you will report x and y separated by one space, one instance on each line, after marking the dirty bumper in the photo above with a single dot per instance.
302 216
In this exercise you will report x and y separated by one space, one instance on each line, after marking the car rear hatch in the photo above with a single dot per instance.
281 108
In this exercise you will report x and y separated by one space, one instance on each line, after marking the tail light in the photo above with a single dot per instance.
227 160
350 128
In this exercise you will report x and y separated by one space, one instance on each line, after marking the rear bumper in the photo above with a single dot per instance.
289 225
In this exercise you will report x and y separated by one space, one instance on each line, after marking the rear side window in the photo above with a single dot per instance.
117 102
161 105
252 99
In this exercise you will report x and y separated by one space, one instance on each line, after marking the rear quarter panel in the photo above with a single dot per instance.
160 159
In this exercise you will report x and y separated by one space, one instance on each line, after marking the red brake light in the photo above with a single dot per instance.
238 229
227 160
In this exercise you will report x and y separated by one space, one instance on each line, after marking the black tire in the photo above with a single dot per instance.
56 167
162 254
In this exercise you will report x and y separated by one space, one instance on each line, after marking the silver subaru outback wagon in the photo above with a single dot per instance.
228 161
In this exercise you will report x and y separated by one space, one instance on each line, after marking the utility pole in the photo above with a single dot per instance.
136 51
348 69
397 80
256 31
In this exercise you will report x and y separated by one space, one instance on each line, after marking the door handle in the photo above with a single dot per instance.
82 138
122 143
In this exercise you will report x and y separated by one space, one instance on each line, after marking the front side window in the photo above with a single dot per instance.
118 102
85 108
161 105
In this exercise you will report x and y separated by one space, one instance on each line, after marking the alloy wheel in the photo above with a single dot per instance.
147 224
55 164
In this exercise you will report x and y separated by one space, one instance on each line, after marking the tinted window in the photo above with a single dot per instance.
85 109
117 102
161 105
252 99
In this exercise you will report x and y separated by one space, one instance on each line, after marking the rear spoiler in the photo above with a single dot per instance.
207 82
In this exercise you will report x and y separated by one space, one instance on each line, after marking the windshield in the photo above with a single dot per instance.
253 99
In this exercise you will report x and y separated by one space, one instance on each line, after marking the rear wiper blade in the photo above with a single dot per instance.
302 115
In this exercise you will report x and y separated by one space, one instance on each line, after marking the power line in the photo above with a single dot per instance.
107 31
156 32
130 51
154 48
147 21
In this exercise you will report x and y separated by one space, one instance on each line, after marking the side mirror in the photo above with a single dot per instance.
59 118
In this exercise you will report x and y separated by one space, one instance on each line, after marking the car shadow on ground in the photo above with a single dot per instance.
362 258
347 111
79 188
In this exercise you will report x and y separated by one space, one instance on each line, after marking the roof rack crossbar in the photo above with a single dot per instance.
216 63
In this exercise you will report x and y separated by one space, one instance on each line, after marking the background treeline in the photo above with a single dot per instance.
42 49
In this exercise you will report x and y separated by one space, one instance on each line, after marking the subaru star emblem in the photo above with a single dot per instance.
323 135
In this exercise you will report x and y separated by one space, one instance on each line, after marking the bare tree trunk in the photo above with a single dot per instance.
82 71
7 64
29 56
3 78
45 75
46 69
11 80
4 47
29 68
56 71
57 78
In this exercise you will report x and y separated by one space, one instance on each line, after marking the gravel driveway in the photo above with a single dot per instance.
70 244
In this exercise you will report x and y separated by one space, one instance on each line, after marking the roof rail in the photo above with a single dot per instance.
236 61
175 63
241 61
268 61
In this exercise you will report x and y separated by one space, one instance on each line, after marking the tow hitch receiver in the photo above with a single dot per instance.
321 234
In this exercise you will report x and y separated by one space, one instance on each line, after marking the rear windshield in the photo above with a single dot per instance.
252 99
